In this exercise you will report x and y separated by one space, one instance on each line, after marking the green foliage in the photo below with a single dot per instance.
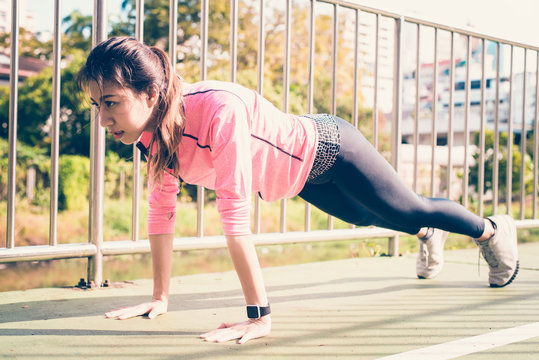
29 45
73 182
34 111
502 165
26 156
78 30
118 176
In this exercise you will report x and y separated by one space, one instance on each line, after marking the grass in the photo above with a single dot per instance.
32 229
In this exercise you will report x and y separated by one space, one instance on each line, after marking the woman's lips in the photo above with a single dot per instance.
118 134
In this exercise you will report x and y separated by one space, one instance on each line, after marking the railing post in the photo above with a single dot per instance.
137 184
13 98
393 244
55 133
204 17
260 89
286 89
97 163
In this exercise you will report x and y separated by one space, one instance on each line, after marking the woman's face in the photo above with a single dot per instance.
124 113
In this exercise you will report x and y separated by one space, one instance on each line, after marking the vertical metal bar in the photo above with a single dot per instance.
417 100
397 92
356 69
496 164
286 88
465 178
536 138
450 120
375 118
13 100
260 88
434 114
55 138
334 59
312 31
233 39
137 184
355 119
173 32
509 174
139 20
523 141
481 185
310 92
334 54
393 244
204 16
97 162
200 210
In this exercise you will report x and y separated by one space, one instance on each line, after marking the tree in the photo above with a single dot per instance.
78 31
34 110
29 45
502 170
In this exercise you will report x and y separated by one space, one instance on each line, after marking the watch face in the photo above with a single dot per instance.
253 312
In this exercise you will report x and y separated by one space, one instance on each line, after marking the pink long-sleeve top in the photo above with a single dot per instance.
237 143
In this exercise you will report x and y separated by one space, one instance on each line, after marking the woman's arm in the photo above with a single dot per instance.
245 259
161 247
243 254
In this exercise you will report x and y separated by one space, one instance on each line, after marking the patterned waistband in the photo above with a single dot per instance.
329 144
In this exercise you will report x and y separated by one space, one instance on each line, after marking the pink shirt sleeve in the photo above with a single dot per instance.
231 157
162 205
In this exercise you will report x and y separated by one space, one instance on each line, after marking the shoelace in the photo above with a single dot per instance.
487 253
479 261
425 252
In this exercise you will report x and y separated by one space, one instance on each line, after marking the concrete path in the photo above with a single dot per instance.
366 308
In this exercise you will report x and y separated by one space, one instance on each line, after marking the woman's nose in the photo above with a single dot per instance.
104 119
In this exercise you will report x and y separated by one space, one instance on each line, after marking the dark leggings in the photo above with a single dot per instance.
362 188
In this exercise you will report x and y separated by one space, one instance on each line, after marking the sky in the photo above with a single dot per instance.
512 20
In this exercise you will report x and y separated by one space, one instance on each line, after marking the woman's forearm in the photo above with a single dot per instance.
245 259
161 246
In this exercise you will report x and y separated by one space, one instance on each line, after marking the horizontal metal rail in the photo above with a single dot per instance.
128 247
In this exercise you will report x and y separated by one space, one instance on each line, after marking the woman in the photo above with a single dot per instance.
228 138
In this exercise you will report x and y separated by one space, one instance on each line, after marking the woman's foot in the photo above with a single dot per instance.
430 259
500 251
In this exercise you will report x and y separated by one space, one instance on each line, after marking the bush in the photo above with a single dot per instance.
73 182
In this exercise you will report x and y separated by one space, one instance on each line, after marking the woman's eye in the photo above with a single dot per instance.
110 104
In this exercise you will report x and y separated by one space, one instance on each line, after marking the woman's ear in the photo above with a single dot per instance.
153 95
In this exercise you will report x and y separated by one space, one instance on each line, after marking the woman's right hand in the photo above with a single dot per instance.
152 309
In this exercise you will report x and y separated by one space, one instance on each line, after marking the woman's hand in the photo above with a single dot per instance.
244 331
152 309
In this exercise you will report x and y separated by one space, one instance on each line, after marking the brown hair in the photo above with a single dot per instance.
129 63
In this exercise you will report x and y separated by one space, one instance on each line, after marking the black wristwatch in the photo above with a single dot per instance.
256 312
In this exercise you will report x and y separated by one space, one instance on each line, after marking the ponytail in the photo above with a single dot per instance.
170 123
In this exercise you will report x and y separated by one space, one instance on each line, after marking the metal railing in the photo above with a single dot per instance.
96 248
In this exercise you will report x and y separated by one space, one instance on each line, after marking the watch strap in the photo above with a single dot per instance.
256 312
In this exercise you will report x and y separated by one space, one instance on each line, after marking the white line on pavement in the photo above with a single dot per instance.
465 346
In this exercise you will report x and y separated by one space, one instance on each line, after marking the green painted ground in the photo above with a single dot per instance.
362 308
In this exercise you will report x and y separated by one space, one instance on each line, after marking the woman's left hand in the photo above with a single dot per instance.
244 331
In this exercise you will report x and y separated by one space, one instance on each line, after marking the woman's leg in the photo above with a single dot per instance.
363 175
329 198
